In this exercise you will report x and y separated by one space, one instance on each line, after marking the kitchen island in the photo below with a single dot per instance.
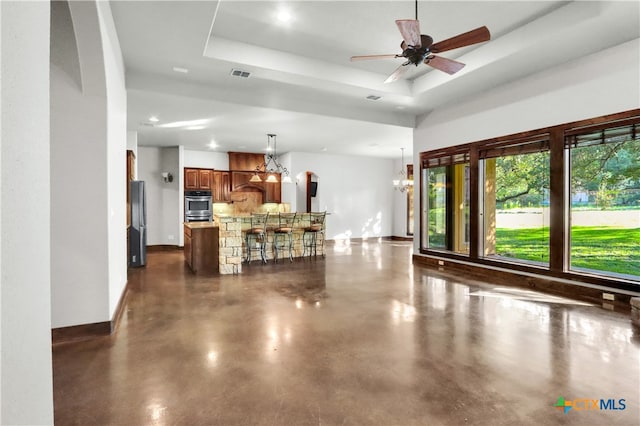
232 237
201 242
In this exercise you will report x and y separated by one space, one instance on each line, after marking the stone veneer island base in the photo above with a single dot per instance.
231 250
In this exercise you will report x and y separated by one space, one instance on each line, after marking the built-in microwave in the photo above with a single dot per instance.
197 206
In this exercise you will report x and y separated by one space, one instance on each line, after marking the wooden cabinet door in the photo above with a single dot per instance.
221 189
205 177
273 191
225 179
191 180
188 253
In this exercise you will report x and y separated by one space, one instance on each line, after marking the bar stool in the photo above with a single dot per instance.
283 235
311 232
256 236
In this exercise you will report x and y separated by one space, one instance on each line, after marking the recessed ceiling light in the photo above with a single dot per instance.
284 16
194 128
373 97
180 69
212 144
154 119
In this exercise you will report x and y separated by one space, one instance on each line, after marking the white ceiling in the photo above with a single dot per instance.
303 86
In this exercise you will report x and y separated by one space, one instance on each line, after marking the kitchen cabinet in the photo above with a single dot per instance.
201 246
221 188
198 179
245 161
240 182
273 191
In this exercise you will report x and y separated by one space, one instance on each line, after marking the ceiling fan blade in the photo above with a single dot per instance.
461 40
444 64
369 57
397 74
410 30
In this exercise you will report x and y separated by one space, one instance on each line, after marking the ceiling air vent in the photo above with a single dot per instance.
373 97
240 73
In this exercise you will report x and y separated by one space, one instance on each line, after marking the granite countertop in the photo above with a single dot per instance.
200 225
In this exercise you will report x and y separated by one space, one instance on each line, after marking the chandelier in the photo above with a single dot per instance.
403 183
271 166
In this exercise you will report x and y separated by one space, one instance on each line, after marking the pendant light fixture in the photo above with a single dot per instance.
402 183
271 166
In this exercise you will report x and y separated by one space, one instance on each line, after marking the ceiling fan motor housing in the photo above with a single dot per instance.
417 55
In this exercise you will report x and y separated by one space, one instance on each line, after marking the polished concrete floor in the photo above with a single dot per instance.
361 337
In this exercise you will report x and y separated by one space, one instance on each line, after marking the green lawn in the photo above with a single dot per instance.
592 247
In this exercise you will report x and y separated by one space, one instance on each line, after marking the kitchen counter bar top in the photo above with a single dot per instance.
200 225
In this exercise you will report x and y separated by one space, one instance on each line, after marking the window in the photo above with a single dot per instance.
515 213
563 201
605 201
410 201
445 202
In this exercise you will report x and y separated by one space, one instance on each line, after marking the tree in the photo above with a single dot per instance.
521 175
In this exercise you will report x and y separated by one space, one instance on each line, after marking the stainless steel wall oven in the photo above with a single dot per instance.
197 206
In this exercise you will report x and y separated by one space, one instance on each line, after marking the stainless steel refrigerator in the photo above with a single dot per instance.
138 230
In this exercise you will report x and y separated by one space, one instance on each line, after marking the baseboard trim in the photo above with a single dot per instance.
80 332
76 333
512 278
162 247
117 315
395 238
357 240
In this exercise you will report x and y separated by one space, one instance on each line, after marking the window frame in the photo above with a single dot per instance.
559 189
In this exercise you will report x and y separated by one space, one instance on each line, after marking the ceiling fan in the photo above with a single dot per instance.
419 48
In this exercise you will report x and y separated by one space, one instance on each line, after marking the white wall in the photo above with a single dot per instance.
162 198
288 190
172 221
355 190
399 202
79 199
116 156
206 159
604 83
26 390
132 145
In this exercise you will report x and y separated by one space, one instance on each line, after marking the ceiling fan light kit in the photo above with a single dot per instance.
419 48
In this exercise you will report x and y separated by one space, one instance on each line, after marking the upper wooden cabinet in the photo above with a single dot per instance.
245 161
272 193
221 188
206 178
198 179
